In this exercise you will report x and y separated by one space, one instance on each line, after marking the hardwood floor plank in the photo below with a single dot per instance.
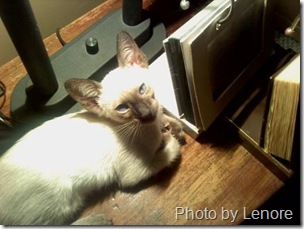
209 175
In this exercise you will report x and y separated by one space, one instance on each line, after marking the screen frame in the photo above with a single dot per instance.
195 55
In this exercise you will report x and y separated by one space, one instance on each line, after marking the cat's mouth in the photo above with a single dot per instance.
148 119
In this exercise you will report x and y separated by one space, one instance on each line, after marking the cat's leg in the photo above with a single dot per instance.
132 170
174 127
94 219
167 154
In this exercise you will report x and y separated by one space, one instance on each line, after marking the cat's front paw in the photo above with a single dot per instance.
94 219
174 127
170 150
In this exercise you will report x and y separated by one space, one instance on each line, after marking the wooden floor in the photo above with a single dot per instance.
215 173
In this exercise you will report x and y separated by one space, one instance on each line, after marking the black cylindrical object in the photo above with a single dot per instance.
92 46
132 12
19 20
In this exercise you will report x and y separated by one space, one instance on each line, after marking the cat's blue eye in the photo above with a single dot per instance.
142 88
122 107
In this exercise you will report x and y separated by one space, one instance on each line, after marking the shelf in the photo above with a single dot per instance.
246 115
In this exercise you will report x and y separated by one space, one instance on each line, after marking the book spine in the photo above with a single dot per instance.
266 111
280 127
179 79
276 62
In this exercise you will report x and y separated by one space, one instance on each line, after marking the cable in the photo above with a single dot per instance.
62 42
2 93
8 122
3 119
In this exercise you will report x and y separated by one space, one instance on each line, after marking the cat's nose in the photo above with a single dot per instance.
144 113
148 118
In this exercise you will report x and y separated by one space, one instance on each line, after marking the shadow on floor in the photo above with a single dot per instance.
287 198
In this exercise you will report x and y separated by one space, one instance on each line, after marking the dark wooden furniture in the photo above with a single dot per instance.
215 172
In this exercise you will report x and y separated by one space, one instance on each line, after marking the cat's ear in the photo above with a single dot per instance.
128 53
84 91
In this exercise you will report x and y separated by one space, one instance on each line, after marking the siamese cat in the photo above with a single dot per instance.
122 137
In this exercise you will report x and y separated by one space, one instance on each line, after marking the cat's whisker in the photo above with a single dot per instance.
124 131
136 131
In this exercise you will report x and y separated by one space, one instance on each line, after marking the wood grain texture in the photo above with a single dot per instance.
214 171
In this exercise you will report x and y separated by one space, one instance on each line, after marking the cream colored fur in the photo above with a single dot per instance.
46 176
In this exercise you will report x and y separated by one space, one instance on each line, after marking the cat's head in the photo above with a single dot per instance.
124 94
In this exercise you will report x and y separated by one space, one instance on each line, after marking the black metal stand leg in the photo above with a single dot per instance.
76 59
21 25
